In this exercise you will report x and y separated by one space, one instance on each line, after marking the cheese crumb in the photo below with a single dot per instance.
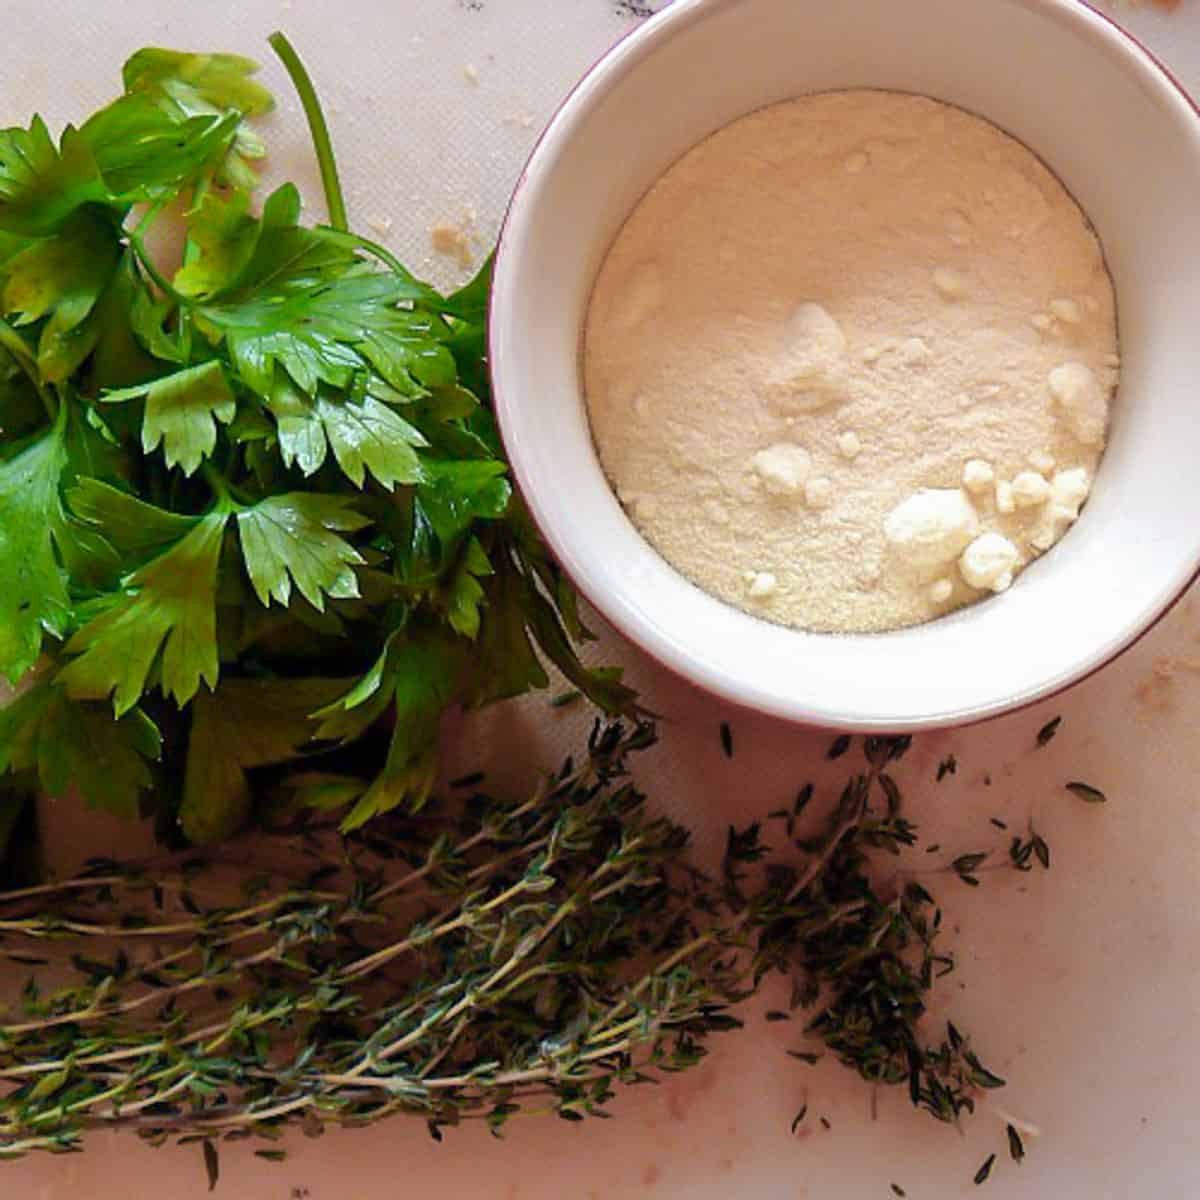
452 242
931 527
949 283
988 563
471 71
810 375
1068 491
1066 310
1029 490
783 468
1005 501
761 584
818 493
914 352
1042 461
978 475
848 445
941 591
716 512
1082 400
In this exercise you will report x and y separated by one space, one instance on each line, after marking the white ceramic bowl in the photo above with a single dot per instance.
1125 140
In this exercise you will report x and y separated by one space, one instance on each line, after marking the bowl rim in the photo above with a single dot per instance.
605 72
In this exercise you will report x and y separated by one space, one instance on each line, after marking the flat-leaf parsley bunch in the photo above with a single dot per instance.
253 507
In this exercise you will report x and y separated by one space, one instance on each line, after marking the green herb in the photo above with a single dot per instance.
948 766
492 958
897 1190
966 865
985 1171
726 739
839 746
271 462
1046 733
1087 793
212 1164
1016 1147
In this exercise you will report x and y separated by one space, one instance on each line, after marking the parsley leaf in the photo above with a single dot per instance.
292 538
245 723
418 676
59 280
463 594
168 605
34 599
290 306
364 435
79 745
144 153
182 411
190 85
41 185
135 528
223 235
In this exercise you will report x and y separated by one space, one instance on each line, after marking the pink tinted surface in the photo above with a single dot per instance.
1082 986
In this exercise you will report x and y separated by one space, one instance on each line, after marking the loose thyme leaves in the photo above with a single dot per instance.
1046 733
1016 1147
948 766
985 1171
726 739
1087 793
839 747
966 865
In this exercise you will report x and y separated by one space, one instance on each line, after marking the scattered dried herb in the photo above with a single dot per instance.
1016 1147
726 739
1046 733
985 1171
948 766
1087 793
839 747
965 866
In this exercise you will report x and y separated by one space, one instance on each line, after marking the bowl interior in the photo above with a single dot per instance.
1124 140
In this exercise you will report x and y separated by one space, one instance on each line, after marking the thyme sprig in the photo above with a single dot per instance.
486 959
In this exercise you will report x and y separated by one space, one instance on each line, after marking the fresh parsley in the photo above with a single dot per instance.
253 507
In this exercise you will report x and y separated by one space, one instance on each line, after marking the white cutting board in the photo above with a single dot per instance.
1082 986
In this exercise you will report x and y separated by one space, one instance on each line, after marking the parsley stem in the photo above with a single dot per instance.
420 291
302 82
23 356
220 486
147 264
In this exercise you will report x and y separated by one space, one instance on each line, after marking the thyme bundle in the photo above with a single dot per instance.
485 959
